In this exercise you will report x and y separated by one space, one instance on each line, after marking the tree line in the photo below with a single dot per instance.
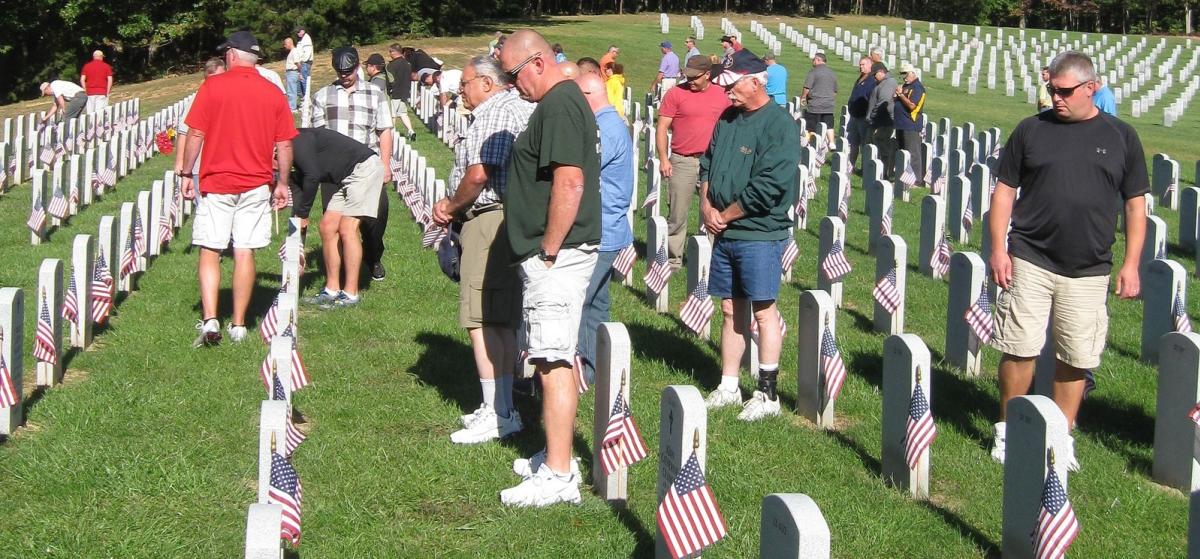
143 39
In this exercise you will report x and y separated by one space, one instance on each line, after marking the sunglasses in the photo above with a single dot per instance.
517 69
1064 92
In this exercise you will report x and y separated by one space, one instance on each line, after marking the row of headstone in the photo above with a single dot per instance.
26 145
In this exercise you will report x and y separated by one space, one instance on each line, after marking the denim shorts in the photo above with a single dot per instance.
746 269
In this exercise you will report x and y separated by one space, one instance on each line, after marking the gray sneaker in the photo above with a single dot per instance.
322 298
341 301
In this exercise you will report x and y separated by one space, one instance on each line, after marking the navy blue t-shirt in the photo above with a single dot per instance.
905 118
859 96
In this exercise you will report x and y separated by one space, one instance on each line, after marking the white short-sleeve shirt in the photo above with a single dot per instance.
63 88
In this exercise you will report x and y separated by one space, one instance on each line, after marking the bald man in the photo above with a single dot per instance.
552 209
616 193
569 69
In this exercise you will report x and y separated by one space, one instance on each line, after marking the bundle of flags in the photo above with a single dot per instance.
622 445
919 430
623 264
940 262
8 391
886 292
698 308
790 253
1179 312
70 310
433 235
688 517
43 341
979 316
835 266
658 273
833 369
102 290
1056 526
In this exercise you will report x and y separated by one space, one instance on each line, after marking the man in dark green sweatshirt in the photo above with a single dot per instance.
747 185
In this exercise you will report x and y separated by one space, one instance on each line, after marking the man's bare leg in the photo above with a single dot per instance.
770 343
1068 390
352 253
560 399
243 283
1016 376
733 344
209 272
329 228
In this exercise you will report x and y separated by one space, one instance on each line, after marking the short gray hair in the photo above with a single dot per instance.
876 50
490 67
245 56
1075 62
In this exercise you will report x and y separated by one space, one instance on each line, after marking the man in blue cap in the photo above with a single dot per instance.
668 71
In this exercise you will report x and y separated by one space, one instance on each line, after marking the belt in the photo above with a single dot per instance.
692 155
475 212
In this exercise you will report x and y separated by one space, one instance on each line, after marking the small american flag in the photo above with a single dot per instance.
919 431
108 176
968 216
979 316
886 293
1194 414
58 205
688 517
790 253
622 445
835 267
3 175
909 177
800 210
941 257
822 151
70 310
299 373
128 260
939 183
623 264
658 273
843 209
651 197
270 323
996 149
1161 252
43 342
1171 186
433 235
8 392
285 491
46 156
580 372
832 366
1179 311
1056 526
293 436
102 296
929 174
885 222
165 232
698 308
37 218
139 235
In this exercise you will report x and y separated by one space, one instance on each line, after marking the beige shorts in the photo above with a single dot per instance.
487 287
359 195
241 219
552 303
398 108
1075 305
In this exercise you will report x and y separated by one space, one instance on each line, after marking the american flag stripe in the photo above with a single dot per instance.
58 205
908 177
658 273
433 235
941 257
43 344
1056 526
886 292
622 445
285 491
832 366
979 316
580 374
968 216
8 391
835 266
698 308
623 264
651 198
37 219
1194 414
70 310
790 253
920 431
1179 310
270 323
688 517
102 296
885 222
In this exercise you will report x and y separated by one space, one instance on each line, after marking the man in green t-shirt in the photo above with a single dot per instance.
552 208
747 187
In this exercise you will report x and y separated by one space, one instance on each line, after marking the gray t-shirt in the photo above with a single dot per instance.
822 90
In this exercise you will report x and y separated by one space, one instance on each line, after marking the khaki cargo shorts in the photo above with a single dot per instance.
488 292
553 303
359 194
1075 305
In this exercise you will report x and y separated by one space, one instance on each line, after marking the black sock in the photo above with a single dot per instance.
766 382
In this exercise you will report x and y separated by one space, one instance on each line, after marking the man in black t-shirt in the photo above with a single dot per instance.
400 72
1076 168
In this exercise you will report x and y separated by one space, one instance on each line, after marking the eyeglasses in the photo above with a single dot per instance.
517 69
1064 92
462 86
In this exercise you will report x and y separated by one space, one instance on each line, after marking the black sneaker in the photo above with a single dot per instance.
377 271
412 136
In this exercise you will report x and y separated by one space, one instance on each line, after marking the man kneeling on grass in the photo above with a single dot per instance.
320 156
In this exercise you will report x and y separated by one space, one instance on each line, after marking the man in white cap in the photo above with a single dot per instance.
96 77
909 117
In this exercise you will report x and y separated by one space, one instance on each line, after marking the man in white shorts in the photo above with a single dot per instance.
239 121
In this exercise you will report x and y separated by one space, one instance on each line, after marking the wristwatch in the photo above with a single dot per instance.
546 257
186 175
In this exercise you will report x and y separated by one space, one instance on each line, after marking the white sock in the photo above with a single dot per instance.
489 392
330 292
350 297
729 384
1001 429
504 403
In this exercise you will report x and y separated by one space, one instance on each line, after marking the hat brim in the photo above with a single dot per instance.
727 78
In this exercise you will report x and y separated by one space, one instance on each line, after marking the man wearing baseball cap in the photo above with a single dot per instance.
880 107
689 112
238 120
747 185
96 77
304 56
668 70
909 116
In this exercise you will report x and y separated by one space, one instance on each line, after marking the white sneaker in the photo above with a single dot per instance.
488 426
758 407
236 333
210 333
525 467
720 398
1072 463
470 418
542 489
998 446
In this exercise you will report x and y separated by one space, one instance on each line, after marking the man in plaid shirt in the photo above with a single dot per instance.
489 298
361 111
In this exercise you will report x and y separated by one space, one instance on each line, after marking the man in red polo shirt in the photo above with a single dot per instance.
239 120
690 111
96 77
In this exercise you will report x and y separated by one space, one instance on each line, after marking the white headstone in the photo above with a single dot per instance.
50 294
1162 281
262 531
816 315
1189 218
832 231
1035 425
792 527
83 254
12 349
699 253
963 349
272 432
933 215
891 254
905 365
656 240
1175 434
683 424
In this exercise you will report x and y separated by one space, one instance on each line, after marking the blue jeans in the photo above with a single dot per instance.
595 310
305 71
746 269
292 77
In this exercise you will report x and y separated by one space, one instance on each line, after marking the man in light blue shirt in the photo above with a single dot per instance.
616 194
692 50
1104 99
668 70
776 80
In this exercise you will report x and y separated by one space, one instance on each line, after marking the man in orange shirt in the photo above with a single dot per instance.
239 120
96 77
608 59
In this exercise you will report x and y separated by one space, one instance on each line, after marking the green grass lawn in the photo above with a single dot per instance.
149 449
